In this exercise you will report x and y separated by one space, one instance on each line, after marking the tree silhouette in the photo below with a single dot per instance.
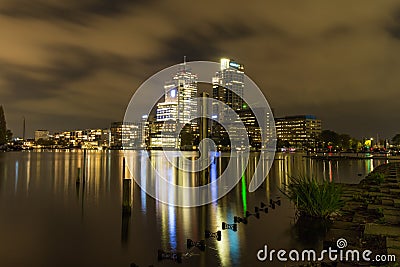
3 127
330 137
396 140
9 135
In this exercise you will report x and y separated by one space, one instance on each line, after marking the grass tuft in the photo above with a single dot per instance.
375 178
313 198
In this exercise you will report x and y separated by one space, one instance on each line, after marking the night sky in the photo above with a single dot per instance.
76 63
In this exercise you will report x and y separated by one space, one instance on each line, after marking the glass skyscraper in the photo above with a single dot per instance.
180 91
179 108
230 76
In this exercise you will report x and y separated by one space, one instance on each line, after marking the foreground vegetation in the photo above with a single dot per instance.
313 198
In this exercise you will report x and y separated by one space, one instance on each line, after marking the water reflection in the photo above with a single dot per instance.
59 171
39 193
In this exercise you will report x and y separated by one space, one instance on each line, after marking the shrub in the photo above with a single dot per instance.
313 198
375 178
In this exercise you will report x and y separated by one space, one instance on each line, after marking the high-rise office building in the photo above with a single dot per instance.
228 87
228 84
127 135
252 127
299 131
179 108
180 91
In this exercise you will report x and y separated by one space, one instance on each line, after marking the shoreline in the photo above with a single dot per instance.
370 218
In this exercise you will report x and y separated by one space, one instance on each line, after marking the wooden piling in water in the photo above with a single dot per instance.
123 168
127 196
125 228
84 166
78 183
205 176
126 204
78 178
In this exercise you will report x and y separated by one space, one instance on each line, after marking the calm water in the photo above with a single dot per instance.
47 220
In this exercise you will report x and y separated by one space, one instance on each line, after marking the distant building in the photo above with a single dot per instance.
258 138
106 138
92 138
299 131
127 135
252 127
28 144
163 134
88 138
42 134
65 138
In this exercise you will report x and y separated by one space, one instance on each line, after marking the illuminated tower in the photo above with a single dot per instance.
179 105
230 76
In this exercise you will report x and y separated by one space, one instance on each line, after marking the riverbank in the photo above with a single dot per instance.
345 156
370 218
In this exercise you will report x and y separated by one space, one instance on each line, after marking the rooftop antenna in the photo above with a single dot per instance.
23 129
184 63
378 143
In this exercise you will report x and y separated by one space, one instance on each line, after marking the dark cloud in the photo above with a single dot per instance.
43 10
108 8
72 63
74 11
19 83
337 31
203 44
178 47
393 27
69 65
230 31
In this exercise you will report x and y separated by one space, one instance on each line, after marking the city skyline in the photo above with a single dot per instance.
60 61
179 107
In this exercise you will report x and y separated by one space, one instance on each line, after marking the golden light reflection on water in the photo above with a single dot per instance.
61 170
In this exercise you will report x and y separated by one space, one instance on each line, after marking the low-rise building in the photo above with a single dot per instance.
42 134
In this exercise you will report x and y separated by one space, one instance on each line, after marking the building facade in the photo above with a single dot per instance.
128 135
228 85
88 138
42 134
180 91
179 108
299 131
